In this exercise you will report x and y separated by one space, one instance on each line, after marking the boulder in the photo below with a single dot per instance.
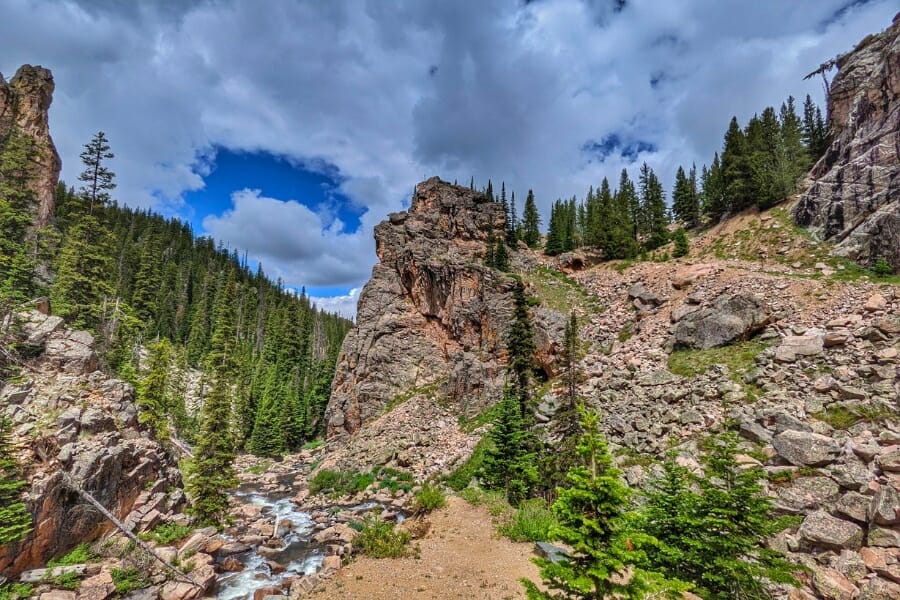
885 507
821 529
732 317
832 585
644 295
794 346
803 448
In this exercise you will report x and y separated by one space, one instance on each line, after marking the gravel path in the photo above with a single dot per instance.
461 557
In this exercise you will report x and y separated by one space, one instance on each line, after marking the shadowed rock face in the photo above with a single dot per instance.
854 193
431 315
24 103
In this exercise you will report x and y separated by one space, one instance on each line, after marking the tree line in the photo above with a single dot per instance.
160 301
759 165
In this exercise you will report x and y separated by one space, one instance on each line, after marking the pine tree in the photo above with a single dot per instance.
712 190
531 222
154 390
520 348
210 473
16 201
593 517
83 268
713 529
15 518
685 198
570 359
736 168
508 464
501 257
653 210
556 231
96 177
512 224
682 246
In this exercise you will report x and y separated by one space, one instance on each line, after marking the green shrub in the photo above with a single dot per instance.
77 556
531 522
393 479
167 533
882 268
67 581
340 483
429 498
128 580
313 445
380 539
682 246
460 478
15 591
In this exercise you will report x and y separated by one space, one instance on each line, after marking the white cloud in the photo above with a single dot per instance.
390 93
343 305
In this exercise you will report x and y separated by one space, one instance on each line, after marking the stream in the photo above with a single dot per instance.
300 555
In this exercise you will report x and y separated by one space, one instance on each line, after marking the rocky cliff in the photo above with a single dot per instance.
432 316
24 104
854 194
70 420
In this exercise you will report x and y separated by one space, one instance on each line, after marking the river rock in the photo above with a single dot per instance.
804 448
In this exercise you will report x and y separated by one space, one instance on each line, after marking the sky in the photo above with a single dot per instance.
289 129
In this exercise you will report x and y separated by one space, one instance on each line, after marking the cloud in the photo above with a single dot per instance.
392 92
344 305
292 242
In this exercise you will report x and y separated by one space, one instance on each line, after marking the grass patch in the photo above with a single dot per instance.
348 483
313 445
461 476
66 581
530 522
738 358
260 467
77 556
128 580
470 424
844 417
429 498
167 533
560 292
381 539
16 591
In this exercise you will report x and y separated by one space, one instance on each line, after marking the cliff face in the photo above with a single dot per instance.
431 315
71 420
854 196
24 104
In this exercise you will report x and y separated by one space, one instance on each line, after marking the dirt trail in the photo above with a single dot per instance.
461 557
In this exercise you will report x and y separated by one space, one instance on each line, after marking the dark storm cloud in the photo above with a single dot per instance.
387 93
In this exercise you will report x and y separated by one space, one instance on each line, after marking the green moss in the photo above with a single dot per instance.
461 476
16 591
77 556
128 580
844 416
66 581
167 533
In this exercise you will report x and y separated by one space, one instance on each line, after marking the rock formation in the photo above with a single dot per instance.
431 315
69 418
854 193
24 104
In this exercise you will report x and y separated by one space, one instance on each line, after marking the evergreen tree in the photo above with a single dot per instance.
508 464
653 210
712 529
501 257
685 198
210 473
736 169
520 348
531 222
593 514
556 231
83 268
712 191
815 132
16 201
96 176
630 204
570 359
682 246
154 390
15 519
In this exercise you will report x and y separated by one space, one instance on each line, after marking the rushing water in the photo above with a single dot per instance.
299 556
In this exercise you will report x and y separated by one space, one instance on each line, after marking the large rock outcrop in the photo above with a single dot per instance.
24 105
431 315
854 193
72 422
